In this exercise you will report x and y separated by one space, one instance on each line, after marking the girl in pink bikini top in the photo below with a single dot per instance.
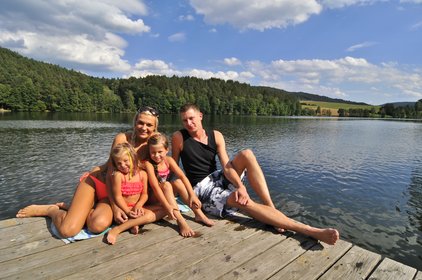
129 182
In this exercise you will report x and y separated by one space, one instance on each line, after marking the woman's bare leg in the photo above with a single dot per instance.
100 218
272 216
151 214
70 222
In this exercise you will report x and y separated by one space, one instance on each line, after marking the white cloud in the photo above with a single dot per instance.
343 3
232 61
256 14
360 46
417 25
411 1
177 37
75 33
186 18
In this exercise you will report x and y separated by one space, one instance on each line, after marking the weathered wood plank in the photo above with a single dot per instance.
156 264
24 233
390 269
418 276
314 262
268 263
232 255
18 221
81 255
357 263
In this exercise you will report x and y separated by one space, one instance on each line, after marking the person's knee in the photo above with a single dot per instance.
98 224
68 229
247 154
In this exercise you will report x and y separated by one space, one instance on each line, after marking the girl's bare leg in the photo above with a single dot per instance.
100 218
151 214
184 228
272 216
180 189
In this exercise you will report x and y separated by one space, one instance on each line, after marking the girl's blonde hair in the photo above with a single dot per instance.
158 138
125 149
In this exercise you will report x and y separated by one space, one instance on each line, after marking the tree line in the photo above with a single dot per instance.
30 85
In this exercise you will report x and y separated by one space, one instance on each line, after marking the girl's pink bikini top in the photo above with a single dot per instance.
163 174
131 188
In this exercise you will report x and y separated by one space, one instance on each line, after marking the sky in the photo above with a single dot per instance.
359 50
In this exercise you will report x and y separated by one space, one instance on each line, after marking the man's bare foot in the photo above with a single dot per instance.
201 218
36 211
111 236
328 235
134 230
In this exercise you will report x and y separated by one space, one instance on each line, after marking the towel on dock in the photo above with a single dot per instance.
182 207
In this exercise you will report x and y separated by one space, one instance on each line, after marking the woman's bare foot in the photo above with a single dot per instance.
62 205
36 210
111 236
279 229
201 218
134 230
327 235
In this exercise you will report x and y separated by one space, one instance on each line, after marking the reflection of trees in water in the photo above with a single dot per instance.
415 199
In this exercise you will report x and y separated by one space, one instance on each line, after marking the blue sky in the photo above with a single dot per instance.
360 50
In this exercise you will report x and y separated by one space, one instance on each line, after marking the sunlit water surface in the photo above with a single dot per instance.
363 177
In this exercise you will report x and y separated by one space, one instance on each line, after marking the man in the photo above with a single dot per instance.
222 191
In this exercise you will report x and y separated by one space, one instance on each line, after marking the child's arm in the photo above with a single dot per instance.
153 182
144 195
116 187
193 199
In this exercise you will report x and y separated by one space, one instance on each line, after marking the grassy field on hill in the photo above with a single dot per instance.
334 106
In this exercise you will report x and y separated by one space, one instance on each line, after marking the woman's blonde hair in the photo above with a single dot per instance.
125 149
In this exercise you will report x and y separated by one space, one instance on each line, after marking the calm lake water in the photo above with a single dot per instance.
363 177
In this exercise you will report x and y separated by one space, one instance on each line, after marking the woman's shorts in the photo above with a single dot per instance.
213 192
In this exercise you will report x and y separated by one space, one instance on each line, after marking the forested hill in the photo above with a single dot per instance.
30 85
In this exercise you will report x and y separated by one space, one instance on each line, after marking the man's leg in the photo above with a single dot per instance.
271 216
246 159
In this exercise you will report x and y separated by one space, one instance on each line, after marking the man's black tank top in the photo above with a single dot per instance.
198 159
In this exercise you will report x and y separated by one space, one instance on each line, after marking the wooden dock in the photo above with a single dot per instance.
240 249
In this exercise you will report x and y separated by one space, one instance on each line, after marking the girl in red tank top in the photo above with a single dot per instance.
129 182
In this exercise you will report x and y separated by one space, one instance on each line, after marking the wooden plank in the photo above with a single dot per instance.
418 276
390 269
314 262
18 221
268 263
357 263
217 263
156 262
24 233
81 255
29 248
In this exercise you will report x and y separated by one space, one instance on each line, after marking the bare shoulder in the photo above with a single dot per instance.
121 138
219 138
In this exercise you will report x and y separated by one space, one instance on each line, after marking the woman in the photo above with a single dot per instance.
85 208
89 206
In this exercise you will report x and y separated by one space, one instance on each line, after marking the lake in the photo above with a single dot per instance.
362 176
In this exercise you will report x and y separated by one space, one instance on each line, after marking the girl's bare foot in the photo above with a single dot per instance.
201 218
184 229
134 230
36 210
111 236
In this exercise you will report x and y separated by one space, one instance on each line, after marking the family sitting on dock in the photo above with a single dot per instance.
119 189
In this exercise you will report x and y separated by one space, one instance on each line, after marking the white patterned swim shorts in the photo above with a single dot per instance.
213 192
